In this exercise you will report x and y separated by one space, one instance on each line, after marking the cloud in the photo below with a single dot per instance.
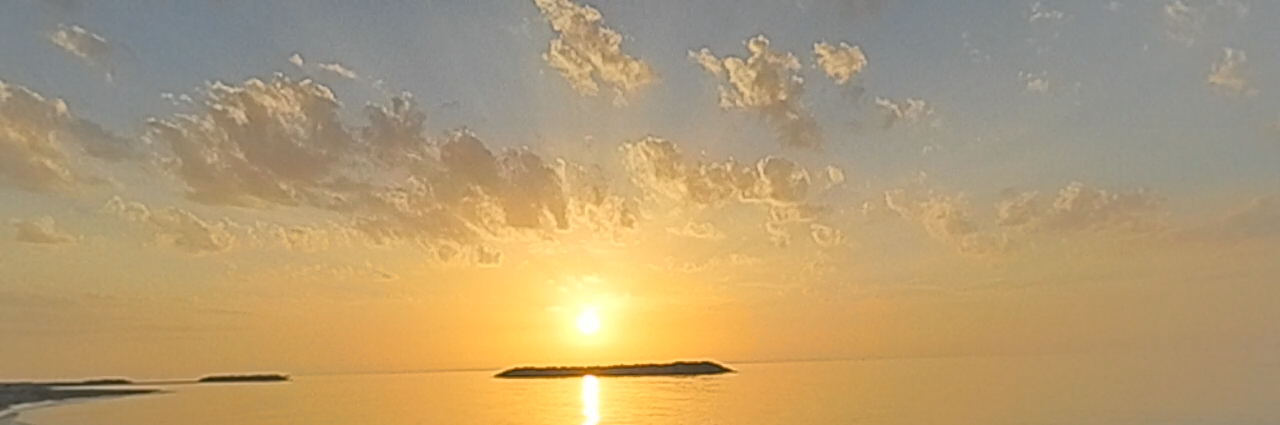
1260 217
34 132
1187 24
942 216
339 70
826 236
84 44
1079 207
767 84
657 166
296 60
1040 12
1183 23
908 111
175 227
841 63
1227 75
697 230
588 54
1034 83
835 175
40 230
261 142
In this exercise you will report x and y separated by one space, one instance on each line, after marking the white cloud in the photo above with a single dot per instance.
908 111
1227 75
339 70
84 44
766 83
841 63
588 54
40 230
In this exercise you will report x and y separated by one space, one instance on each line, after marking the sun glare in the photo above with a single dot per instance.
589 322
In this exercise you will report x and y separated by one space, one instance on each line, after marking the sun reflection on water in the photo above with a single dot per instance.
590 400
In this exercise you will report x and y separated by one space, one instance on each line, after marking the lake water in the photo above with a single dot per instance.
1195 388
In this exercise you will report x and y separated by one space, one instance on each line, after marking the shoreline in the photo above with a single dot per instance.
16 399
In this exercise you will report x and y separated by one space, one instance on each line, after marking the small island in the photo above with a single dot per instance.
657 369
242 379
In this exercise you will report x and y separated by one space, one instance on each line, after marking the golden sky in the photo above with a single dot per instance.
418 186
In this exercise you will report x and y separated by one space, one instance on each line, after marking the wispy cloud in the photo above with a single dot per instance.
1079 207
91 48
175 227
40 230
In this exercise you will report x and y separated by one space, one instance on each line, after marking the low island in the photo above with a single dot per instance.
657 369
243 379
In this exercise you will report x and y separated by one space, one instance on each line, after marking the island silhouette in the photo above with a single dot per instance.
679 368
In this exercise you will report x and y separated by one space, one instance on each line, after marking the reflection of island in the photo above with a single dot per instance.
269 377
663 369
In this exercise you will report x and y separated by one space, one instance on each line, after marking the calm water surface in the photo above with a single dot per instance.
1129 389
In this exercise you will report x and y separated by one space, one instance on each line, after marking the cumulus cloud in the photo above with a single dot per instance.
589 54
657 166
84 44
280 143
39 230
175 227
841 63
907 111
1227 75
1078 207
34 136
264 141
765 83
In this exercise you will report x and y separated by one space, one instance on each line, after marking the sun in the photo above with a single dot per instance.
589 321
